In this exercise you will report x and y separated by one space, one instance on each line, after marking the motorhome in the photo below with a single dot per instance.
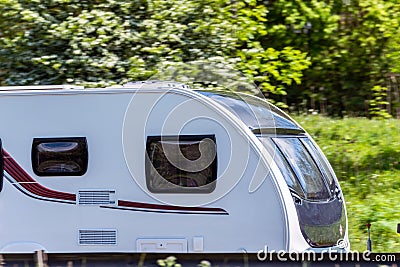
155 166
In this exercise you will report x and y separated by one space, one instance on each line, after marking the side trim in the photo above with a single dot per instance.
24 181
29 194
147 207
19 178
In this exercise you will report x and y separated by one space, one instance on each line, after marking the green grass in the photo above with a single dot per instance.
365 155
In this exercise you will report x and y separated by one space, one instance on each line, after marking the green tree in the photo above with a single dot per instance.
105 42
349 43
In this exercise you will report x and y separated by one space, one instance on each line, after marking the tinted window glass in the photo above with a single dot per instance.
322 223
321 161
283 166
184 164
255 112
304 166
59 156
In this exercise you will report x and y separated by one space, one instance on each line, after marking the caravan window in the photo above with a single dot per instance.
283 166
304 169
322 163
181 164
59 156
304 166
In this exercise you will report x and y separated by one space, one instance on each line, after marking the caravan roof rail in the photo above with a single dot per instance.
40 87
160 84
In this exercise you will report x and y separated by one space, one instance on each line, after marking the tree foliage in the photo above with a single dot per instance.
353 46
327 56
104 42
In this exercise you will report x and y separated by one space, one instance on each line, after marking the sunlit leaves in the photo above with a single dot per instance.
97 43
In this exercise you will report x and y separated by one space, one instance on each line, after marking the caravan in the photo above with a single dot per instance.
158 167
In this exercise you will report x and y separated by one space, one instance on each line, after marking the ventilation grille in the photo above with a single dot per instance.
97 237
96 197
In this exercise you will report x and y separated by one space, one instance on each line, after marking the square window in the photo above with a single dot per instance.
181 164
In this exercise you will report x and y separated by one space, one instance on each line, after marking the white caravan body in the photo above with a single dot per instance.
83 171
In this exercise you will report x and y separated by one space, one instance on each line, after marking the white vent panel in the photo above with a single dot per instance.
97 237
96 197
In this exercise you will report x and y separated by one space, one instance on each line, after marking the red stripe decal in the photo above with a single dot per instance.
140 205
31 185
27 182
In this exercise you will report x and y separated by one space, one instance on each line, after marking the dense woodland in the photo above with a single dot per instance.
335 57
339 58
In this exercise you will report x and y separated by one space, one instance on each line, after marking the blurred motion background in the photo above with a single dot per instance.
333 64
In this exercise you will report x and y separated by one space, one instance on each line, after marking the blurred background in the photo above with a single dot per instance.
334 65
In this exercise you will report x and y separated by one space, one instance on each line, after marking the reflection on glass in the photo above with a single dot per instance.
59 156
57 147
283 166
320 161
255 112
58 166
304 166
179 164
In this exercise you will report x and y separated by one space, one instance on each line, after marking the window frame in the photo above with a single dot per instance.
84 156
204 189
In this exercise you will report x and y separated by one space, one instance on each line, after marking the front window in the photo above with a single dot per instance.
321 162
304 167
310 179
284 167
299 166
